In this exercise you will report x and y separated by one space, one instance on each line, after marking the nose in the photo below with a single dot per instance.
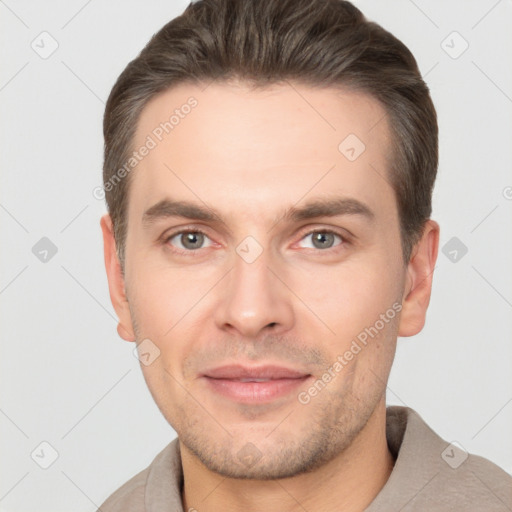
253 299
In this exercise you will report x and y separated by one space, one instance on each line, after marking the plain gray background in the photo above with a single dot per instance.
69 381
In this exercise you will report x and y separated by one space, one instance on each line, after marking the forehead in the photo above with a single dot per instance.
246 150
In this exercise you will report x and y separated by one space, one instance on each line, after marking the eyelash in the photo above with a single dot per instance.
194 252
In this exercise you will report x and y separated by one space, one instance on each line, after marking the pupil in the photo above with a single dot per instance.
192 240
322 238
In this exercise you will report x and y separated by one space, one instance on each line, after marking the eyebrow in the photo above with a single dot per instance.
326 207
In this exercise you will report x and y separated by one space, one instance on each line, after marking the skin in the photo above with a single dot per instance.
249 154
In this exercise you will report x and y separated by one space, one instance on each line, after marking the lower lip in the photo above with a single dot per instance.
255 392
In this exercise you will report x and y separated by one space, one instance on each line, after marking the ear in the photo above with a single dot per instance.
116 281
418 283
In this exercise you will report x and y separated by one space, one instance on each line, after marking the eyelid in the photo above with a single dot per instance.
167 236
345 239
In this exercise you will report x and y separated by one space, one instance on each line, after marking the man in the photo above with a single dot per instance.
269 167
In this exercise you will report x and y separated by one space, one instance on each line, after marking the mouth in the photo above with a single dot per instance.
253 385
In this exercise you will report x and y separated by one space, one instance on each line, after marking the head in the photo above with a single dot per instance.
295 144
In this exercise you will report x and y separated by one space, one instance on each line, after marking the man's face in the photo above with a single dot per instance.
256 289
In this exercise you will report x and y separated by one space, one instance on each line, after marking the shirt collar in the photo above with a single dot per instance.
414 445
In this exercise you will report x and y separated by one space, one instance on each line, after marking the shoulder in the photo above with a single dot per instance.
163 473
433 474
474 482
129 497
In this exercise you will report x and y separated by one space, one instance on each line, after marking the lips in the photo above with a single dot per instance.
255 374
254 385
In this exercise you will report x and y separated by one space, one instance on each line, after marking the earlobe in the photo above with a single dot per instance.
418 285
116 283
123 333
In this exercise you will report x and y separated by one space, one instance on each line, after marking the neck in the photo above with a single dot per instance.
349 482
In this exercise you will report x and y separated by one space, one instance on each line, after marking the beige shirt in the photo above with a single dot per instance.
429 475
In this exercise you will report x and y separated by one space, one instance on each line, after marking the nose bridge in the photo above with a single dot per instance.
252 298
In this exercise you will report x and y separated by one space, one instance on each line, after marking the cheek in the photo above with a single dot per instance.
168 308
163 297
347 297
377 356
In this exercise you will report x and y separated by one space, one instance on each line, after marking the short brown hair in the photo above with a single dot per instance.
326 43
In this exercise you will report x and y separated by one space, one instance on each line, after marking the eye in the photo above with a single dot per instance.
188 240
323 239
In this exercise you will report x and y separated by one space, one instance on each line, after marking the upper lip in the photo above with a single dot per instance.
255 372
